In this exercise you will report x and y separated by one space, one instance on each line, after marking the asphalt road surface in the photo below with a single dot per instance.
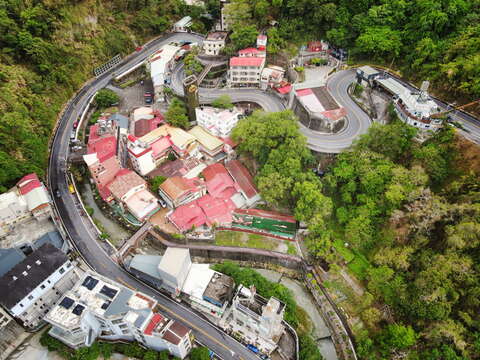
83 237
357 124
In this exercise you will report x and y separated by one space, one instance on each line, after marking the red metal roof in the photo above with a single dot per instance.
284 89
304 92
154 321
28 183
219 182
250 50
241 175
186 216
247 61
105 147
266 214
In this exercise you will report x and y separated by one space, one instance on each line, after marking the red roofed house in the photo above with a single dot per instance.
245 71
102 140
187 216
244 180
219 182
251 51
205 211
103 173
177 191
162 333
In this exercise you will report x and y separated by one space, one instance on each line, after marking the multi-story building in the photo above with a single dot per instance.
131 193
28 199
160 65
245 71
98 307
413 107
211 147
214 42
10 334
203 288
30 289
255 320
224 21
177 191
149 151
218 122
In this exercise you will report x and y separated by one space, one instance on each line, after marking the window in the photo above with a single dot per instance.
62 270
42 286
21 305
30 297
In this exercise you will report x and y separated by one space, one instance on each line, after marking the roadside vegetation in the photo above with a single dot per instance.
49 49
176 114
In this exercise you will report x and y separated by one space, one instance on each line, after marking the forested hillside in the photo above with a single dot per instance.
437 40
47 50
410 214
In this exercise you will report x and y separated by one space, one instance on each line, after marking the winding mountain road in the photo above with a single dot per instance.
357 124
84 238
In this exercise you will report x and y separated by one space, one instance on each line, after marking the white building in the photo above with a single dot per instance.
262 42
218 122
28 199
214 42
174 268
98 307
161 64
272 76
254 319
33 286
203 288
413 107
183 24
245 71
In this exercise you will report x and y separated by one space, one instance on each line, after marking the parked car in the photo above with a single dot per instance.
162 203
148 96
253 348
75 124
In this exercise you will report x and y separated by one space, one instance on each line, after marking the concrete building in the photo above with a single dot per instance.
131 193
28 200
262 42
174 268
183 25
98 307
214 42
218 122
160 65
10 334
255 320
413 107
366 74
211 147
149 151
177 191
203 288
245 71
272 76
30 289
316 108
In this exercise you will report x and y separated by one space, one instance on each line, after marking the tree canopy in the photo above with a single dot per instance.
176 114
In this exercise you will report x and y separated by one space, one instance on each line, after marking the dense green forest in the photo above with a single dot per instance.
410 211
47 50
438 40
